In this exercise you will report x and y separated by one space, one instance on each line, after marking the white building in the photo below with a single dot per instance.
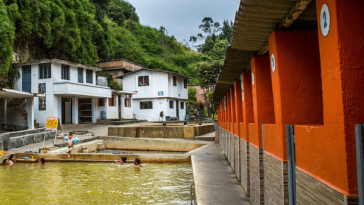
157 91
71 92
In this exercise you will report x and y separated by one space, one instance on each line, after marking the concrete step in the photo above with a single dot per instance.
64 143
123 122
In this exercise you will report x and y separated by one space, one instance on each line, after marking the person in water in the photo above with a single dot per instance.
137 163
12 158
121 161
69 143
42 161
8 162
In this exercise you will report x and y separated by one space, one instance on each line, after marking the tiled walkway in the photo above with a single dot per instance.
215 181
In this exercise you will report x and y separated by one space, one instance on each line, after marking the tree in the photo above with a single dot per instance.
227 31
207 46
218 52
207 74
7 36
192 96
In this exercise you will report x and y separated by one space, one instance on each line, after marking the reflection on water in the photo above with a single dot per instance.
124 151
95 183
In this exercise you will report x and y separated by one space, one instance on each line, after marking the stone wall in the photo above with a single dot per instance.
237 156
256 175
276 180
245 166
309 190
161 131
21 138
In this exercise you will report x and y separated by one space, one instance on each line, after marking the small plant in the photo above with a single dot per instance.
161 114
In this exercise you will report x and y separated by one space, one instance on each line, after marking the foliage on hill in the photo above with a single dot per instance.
84 31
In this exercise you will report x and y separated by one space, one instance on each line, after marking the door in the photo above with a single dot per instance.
291 165
177 109
26 78
68 112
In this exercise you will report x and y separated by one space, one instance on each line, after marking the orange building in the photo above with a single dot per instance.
290 96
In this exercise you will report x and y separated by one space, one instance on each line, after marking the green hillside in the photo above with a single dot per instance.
85 31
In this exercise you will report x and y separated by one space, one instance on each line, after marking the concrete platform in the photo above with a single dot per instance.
206 137
215 182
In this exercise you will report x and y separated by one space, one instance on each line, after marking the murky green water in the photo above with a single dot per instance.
137 152
95 183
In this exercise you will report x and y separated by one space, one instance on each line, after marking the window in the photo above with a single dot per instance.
112 100
171 103
143 80
89 76
182 105
80 75
44 70
127 100
146 105
185 83
65 72
101 102
174 81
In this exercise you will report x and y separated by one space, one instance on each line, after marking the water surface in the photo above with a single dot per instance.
95 183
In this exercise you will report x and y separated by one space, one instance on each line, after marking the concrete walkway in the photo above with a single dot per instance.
215 181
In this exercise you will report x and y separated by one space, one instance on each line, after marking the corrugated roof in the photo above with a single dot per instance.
254 23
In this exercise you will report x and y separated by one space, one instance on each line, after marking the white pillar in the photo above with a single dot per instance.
30 112
75 110
94 109
107 107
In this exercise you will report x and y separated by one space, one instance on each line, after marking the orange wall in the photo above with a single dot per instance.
232 110
238 108
247 104
328 152
262 99
296 85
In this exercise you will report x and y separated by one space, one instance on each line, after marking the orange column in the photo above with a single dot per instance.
328 152
247 105
228 110
263 113
238 108
296 84
226 113
232 110
262 99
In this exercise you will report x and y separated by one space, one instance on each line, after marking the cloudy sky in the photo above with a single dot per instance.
182 17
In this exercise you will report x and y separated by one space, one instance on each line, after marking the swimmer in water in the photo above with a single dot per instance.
42 161
137 163
121 161
12 159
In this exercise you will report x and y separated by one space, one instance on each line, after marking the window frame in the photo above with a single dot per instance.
144 77
92 76
182 105
65 72
112 100
175 80
41 71
171 104
185 83
148 108
78 75
127 100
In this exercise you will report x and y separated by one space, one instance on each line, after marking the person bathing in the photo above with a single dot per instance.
12 159
121 161
137 163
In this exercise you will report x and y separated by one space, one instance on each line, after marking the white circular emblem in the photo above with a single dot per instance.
273 62
325 20
253 78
